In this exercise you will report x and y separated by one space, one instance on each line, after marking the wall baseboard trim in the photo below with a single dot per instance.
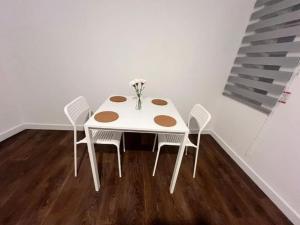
263 185
35 126
50 126
47 126
12 131
289 211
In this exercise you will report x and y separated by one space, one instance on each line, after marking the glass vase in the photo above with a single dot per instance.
138 103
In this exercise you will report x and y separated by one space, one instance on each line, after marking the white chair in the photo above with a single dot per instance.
202 117
78 109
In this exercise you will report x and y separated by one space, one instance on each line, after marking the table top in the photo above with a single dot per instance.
131 119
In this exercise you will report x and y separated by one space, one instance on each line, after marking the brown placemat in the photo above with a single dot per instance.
165 121
106 116
117 99
159 102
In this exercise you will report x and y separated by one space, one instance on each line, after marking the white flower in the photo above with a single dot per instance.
137 81
140 80
133 82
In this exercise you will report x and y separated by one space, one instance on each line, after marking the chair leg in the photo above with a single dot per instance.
123 142
195 164
153 149
75 159
157 155
186 148
119 161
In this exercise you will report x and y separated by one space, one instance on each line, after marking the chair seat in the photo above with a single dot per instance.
104 137
173 140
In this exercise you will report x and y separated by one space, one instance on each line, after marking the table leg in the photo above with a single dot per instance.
92 157
177 164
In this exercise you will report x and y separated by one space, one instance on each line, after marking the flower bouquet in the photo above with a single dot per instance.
139 86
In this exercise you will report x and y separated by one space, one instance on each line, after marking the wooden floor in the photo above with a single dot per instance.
38 186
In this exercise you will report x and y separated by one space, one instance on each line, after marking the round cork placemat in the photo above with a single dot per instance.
106 116
165 121
117 99
159 102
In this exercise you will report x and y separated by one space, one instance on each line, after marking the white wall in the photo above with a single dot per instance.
10 114
266 147
93 48
10 107
56 50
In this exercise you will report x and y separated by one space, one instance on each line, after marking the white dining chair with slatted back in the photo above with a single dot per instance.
78 109
202 117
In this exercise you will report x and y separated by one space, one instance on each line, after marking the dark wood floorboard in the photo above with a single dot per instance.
38 185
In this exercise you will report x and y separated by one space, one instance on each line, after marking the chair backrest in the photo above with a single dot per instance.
75 109
202 117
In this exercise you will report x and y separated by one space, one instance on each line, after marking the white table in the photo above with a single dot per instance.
133 120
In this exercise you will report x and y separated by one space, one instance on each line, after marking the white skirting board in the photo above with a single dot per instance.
264 186
35 126
259 181
12 131
39 126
